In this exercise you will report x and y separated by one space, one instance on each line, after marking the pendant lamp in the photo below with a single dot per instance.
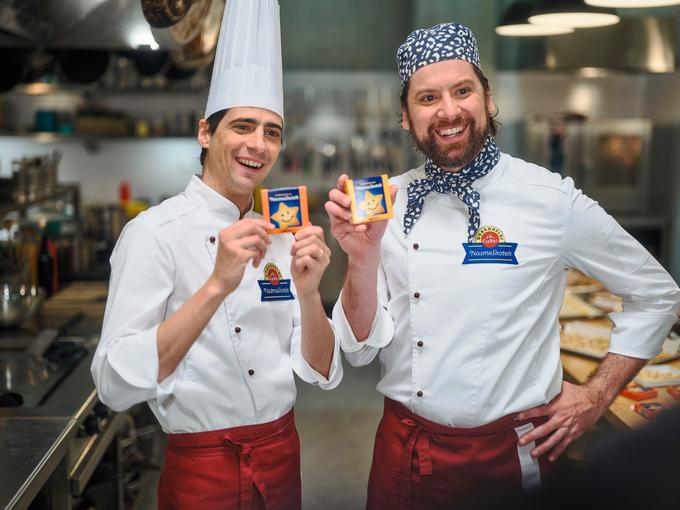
572 13
515 23
622 4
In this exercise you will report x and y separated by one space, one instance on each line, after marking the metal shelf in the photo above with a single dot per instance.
64 189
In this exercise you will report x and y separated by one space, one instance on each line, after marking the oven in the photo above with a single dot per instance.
609 159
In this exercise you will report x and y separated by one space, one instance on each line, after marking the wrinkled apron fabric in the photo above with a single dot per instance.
422 465
241 468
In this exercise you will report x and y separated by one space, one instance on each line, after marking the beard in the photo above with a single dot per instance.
451 155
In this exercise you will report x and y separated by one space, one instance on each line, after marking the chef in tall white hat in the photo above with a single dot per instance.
189 327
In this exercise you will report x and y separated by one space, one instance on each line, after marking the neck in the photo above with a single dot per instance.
241 200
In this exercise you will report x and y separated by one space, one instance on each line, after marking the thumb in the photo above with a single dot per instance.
393 192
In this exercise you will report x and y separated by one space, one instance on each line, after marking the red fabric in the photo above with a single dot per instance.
422 465
244 468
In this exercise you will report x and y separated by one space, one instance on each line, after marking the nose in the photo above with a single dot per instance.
448 108
256 141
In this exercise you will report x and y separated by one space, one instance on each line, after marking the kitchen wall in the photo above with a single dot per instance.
331 106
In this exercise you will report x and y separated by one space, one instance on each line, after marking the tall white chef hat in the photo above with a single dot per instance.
247 69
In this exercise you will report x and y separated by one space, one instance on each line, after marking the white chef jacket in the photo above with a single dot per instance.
490 332
240 369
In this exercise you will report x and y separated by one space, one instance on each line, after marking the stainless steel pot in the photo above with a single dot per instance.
19 303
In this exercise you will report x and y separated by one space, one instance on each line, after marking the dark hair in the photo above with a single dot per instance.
493 123
213 121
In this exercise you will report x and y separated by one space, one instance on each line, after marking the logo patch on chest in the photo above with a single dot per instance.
490 247
274 287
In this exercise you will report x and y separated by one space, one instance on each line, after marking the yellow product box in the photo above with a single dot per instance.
286 208
371 200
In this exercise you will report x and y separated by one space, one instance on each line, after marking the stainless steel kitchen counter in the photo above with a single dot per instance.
34 441
31 450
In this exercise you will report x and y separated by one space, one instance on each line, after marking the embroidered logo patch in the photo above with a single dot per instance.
490 247
274 287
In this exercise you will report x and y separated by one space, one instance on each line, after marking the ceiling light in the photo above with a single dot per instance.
514 23
632 3
572 13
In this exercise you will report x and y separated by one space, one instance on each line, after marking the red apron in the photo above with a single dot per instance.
244 468
419 464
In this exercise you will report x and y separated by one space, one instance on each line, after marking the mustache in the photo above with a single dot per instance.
448 124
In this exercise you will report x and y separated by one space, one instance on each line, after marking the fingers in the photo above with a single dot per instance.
393 192
247 227
341 182
534 412
308 262
551 441
559 449
340 197
309 231
313 250
337 213
253 243
538 432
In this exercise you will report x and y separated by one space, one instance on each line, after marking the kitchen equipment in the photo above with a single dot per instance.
19 303
199 51
185 29
13 67
608 158
84 66
149 62
165 13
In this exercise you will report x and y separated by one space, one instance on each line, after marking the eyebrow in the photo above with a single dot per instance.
464 81
248 120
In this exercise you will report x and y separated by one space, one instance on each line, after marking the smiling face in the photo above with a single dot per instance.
286 216
447 113
241 151
372 204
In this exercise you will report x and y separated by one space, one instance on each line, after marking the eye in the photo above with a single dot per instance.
427 98
273 133
242 127
463 91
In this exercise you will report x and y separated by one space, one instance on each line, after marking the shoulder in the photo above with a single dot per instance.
526 174
403 180
167 212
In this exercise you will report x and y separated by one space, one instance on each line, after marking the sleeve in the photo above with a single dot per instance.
125 364
300 364
597 245
381 333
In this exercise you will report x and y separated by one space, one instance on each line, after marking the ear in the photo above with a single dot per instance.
404 118
490 104
204 135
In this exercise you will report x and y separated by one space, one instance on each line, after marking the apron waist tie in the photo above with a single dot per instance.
248 472
418 440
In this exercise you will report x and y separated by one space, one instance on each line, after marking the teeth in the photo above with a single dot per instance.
252 164
452 131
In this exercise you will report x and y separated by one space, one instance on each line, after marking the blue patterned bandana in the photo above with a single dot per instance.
458 183
446 41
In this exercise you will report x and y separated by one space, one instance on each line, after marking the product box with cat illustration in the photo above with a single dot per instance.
371 199
286 208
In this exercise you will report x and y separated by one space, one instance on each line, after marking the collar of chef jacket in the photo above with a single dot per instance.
221 206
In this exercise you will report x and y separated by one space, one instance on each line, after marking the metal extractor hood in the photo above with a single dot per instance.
101 24
639 44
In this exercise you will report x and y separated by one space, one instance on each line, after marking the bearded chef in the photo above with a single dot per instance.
470 275
189 327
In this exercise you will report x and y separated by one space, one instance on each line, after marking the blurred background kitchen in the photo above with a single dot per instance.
98 116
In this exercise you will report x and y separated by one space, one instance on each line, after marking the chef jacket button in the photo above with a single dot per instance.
251 372
420 393
420 343
237 329
416 295
416 246
212 239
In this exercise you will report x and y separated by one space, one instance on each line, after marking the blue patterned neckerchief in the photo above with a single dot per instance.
458 183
